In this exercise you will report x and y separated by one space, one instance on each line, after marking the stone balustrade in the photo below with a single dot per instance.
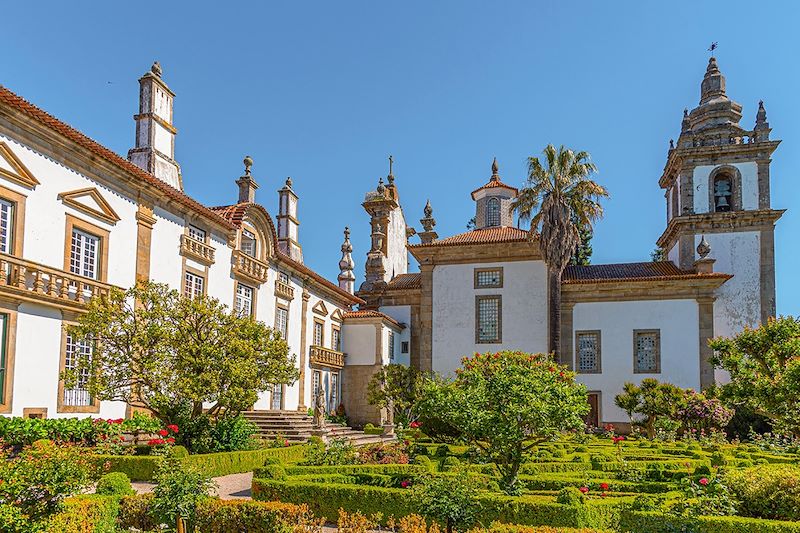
321 356
249 267
284 290
197 250
32 282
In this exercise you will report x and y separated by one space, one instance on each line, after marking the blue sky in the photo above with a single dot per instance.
325 91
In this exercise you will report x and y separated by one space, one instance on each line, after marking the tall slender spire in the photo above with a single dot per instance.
495 169
762 128
346 265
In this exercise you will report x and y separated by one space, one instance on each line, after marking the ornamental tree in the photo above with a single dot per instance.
507 403
764 365
398 387
155 348
652 400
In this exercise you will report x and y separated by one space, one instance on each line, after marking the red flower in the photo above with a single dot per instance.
603 495
617 440
155 442
285 443
405 483
171 440
603 486
163 432
414 425
173 428
584 489
703 481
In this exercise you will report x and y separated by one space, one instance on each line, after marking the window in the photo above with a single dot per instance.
493 212
277 397
283 277
587 344
193 285
723 193
333 399
244 300
249 243
391 345
647 351
489 278
282 321
77 351
404 347
84 250
488 326
319 333
3 358
6 226
197 234
316 385
336 339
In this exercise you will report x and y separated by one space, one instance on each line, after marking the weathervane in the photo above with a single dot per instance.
712 48
391 160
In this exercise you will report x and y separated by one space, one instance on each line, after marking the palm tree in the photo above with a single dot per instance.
559 199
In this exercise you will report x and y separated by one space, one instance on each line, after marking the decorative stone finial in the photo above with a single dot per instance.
671 144
428 210
428 223
247 185
156 69
248 162
703 248
381 187
289 182
346 265
495 168
685 124
713 85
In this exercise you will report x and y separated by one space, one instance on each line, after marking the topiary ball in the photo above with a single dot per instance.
114 484
450 463
179 452
570 496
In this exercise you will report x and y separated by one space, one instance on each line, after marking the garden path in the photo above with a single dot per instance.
233 486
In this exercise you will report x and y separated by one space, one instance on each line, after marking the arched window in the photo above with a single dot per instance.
493 212
723 192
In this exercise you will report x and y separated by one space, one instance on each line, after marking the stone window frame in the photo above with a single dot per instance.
636 333
195 272
494 200
94 407
736 187
498 285
8 309
478 299
103 237
285 308
598 356
405 347
321 323
197 229
17 219
338 330
254 299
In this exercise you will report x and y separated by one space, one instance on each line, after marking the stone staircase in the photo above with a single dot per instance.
296 427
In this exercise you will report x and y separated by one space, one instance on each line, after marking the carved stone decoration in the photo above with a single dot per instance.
346 265
703 248
319 421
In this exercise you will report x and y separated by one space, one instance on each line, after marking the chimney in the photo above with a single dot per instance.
247 185
155 135
288 223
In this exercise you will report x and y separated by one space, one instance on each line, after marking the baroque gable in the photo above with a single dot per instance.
11 168
91 202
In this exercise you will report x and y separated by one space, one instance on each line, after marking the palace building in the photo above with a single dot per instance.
76 219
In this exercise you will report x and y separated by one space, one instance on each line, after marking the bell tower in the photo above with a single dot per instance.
717 192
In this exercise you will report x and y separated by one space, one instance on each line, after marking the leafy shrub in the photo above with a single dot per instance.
114 484
370 429
335 452
180 452
218 516
384 453
570 496
704 497
38 480
718 459
83 514
20 431
450 463
581 449
702 470
451 500
644 502
771 491
177 492
581 458
443 450
423 460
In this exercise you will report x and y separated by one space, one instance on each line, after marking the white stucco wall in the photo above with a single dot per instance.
738 303
358 341
402 314
749 171
397 254
680 348
524 311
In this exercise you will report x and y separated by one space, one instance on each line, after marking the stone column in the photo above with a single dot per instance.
566 357
763 183
705 307
144 236
303 352
425 355
767 273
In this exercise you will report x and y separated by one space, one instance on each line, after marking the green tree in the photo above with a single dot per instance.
583 251
652 400
559 199
659 254
398 387
450 500
507 403
155 348
764 366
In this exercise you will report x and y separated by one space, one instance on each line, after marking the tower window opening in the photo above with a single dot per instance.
723 193
493 212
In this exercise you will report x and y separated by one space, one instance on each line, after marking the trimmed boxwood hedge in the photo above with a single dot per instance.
544 482
654 522
86 513
325 500
142 467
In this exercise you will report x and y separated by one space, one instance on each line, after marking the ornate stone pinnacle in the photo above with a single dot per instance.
346 265
428 223
495 168
381 188
703 248
289 182
428 210
156 69
671 144
248 162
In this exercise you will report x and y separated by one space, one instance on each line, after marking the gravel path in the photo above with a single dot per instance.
233 486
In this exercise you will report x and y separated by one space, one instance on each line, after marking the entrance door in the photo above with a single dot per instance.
593 417
277 397
333 394
316 387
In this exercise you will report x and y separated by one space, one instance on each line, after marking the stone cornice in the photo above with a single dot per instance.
718 223
701 288
476 253
679 157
